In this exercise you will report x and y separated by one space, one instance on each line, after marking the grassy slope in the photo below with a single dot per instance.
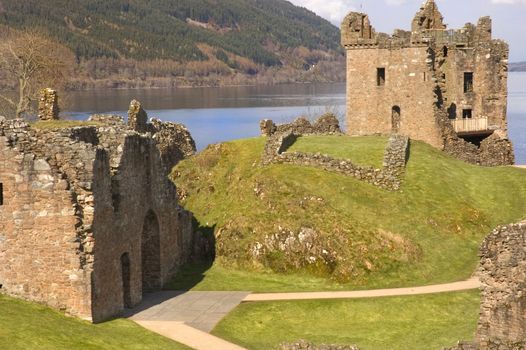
405 323
26 325
445 209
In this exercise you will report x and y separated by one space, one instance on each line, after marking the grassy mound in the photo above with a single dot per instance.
313 224
404 323
26 325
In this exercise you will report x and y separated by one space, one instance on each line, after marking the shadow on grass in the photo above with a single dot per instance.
193 272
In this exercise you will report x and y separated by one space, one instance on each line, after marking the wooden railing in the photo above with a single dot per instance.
470 125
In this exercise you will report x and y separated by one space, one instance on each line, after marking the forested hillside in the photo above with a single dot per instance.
198 42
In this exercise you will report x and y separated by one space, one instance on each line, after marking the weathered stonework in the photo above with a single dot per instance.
89 218
48 105
137 117
445 87
304 345
390 177
502 272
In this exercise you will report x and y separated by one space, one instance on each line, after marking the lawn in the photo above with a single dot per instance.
405 323
25 325
364 151
427 233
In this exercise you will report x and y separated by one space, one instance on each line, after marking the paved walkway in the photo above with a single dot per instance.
440 288
200 310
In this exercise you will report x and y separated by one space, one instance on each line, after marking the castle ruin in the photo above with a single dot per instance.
445 87
89 219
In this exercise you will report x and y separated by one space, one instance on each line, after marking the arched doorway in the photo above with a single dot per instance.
395 120
151 253
125 271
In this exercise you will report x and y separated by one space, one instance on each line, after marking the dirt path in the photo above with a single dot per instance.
440 288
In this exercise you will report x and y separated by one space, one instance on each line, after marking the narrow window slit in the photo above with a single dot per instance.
380 76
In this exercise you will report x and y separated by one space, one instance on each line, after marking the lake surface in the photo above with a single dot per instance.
221 114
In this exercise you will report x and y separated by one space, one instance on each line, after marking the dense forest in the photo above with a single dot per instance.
133 43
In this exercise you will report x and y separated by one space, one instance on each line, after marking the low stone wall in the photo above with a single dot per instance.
389 177
502 272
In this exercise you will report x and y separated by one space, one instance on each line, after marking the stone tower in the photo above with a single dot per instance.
445 87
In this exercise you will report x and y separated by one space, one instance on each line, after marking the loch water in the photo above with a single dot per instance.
221 114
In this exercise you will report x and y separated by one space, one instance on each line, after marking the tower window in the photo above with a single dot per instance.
467 113
380 76
1 194
468 82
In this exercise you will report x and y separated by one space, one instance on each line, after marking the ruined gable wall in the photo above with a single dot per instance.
43 254
369 106
131 182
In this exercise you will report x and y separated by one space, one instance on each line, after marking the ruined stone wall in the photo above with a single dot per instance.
503 277
43 254
502 273
121 222
488 61
389 177
96 207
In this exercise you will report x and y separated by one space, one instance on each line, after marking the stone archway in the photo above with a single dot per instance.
151 253
126 289
396 119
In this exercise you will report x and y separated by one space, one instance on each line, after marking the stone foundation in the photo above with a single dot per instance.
283 137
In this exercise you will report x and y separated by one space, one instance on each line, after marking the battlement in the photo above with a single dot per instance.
427 28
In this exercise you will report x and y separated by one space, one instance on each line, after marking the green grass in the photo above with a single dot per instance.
416 322
427 233
25 325
365 151
62 124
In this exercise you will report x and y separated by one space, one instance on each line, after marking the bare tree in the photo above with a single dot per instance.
29 62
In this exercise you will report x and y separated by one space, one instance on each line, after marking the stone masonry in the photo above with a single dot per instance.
48 105
282 137
89 219
502 272
445 87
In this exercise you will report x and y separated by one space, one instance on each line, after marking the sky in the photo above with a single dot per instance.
509 16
